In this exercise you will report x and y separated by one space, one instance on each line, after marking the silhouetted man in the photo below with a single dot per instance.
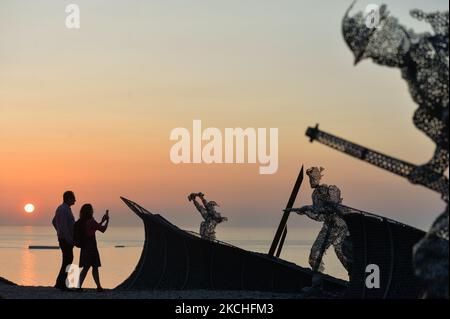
64 223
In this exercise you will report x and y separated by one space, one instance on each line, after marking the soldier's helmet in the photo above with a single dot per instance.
356 33
315 174
212 204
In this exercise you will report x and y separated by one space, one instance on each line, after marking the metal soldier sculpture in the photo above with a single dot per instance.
325 208
211 217
424 63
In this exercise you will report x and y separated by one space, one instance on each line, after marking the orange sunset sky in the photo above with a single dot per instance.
91 110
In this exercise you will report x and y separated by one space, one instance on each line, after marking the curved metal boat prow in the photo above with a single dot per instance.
175 259
139 210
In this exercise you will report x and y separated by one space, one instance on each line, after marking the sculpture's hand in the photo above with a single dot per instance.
299 211
192 196
423 174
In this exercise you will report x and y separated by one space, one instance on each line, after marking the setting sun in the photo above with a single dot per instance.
29 208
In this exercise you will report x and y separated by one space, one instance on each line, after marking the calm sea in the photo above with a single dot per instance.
39 267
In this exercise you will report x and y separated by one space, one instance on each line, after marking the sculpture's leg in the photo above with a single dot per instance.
203 230
318 249
344 252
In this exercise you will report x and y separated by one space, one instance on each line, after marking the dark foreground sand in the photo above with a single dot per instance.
9 290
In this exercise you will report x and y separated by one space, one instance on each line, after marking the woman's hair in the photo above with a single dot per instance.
86 212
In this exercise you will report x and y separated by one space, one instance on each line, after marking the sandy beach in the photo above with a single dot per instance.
9 290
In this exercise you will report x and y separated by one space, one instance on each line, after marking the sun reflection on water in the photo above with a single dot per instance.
28 260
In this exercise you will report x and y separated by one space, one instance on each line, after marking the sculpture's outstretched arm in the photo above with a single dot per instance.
202 197
219 219
201 209
310 211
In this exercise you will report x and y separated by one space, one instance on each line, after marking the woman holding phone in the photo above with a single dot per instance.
89 256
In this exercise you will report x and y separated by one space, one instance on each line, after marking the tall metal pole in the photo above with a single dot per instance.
282 228
282 240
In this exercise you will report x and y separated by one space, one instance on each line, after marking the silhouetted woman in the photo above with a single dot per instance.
89 256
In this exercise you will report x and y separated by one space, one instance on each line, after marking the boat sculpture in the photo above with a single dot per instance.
175 259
